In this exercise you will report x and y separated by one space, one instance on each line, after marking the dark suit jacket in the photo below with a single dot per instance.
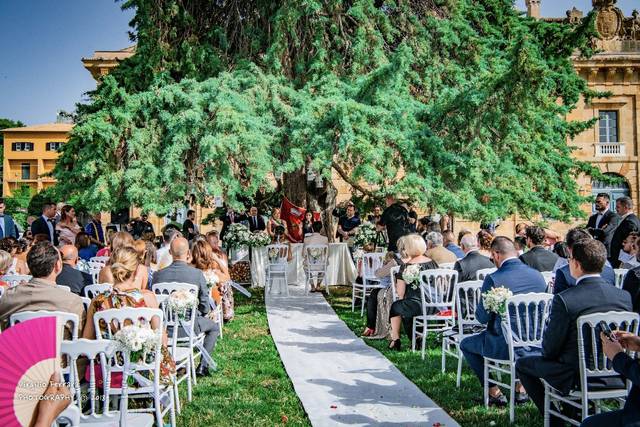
520 279
564 280
539 258
260 226
631 284
626 226
560 339
468 266
39 226
182 272
629 369
607 226
10 228
75 279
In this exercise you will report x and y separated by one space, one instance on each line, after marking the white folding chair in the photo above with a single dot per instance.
15 279
183 356
393 273
523 327
99 259
436 294
277 264
94 271
70 417
467 297
107 323
316 258
70 320
549 279
98 353
86 302
64 288
620 273
90 291
593 364
1 291
447 265
370 263
484 272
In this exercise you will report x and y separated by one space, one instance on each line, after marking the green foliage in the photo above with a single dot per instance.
6 124
450 103
38 200
18 203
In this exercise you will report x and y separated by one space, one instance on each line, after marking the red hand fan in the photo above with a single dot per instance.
29 354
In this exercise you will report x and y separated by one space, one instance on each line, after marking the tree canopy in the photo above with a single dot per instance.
455 104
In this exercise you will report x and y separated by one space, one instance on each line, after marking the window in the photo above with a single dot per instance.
53 146
26 170
608 126
22 146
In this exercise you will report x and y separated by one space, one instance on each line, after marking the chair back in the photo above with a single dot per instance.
549 278
64 288
484 272
90 291
171 318
277 254
86 302
15 279
593 361
69 320
526 318
94 271
437 288
316 256
393 272
370 263
99 259
1 291
468 295
620 273
166 288
447 265
96 353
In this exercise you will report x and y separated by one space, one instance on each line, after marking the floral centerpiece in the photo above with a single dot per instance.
272 254
365 235
212 279
315 254
495 300
259 239
237 236
138 341
411 275
181 301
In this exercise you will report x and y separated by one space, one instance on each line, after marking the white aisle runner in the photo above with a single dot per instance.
339 379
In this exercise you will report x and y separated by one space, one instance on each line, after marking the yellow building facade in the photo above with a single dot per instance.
30 153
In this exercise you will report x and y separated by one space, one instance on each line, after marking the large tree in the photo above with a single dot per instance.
6 124
455 104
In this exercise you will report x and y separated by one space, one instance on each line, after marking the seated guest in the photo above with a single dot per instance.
472 261
437 252
223 274
126 293
409 303
40 293
520 279
520 243
629 251
10 245
563 279
521 229
380 300
220 285
143 271
449 244
119 240
561 250
484 242
537 256
558 365
629 368
86 249
105 250
70 276
5 264
631 284
164 254
181 271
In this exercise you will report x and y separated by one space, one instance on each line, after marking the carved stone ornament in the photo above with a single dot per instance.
609 20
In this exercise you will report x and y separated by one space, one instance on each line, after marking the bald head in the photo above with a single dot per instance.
69 254
179 249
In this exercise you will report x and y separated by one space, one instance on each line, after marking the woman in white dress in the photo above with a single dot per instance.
68 226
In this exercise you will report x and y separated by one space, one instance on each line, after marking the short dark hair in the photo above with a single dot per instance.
536 234
502 245
575 235
604 196
47 205
42 258
190 211
520 241
168 234
590 254
625 201
1 201
316 226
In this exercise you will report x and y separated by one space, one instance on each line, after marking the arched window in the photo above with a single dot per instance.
615 191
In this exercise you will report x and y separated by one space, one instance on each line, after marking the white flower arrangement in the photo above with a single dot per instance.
273 254
237 235
212 279
181 301
137 341
495 299
315 254
365 235
259 238
411 275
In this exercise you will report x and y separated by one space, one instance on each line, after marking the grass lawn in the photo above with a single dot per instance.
427 375
251 387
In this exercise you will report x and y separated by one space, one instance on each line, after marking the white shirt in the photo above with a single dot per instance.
599 217
164 257
585 277
50 225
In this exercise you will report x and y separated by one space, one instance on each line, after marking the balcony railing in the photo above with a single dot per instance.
607 149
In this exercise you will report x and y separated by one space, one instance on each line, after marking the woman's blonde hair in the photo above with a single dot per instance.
414 245
141 248
400 246
5 262
124 263
121 239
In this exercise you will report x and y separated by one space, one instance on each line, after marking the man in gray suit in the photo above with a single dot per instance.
181 271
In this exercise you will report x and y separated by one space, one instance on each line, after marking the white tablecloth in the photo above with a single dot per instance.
340 268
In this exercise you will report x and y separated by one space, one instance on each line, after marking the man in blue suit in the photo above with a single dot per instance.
564 280
7 225
520 279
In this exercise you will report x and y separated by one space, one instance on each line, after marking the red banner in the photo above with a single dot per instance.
293 216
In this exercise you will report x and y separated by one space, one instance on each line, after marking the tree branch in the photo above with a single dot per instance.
345 176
